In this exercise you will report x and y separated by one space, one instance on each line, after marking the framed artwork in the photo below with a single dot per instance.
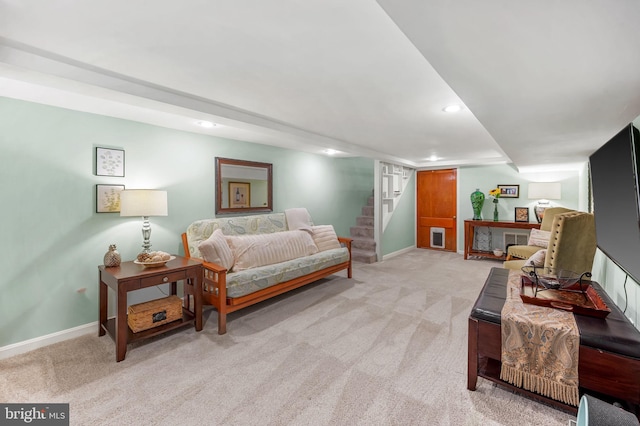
108 198
522 214
109 162
239 194
509 191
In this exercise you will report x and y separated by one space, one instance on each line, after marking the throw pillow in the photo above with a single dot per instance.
251 251
298 218
216 250
539 238
325 237
537 259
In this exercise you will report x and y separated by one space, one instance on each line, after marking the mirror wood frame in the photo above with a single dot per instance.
233 162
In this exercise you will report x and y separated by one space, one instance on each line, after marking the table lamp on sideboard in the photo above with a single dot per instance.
543 192
144 203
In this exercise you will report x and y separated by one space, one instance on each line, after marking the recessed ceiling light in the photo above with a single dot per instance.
206 124
433 158
330 151
452 108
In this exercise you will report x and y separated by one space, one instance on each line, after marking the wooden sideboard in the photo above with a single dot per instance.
470 226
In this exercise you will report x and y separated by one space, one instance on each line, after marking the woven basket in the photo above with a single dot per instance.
153 313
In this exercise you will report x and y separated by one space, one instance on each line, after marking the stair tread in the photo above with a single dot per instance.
362 251
365 256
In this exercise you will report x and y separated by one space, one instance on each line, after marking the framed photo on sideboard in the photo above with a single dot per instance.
522 214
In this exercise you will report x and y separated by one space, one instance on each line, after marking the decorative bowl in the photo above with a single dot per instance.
154 264
498 252
550 278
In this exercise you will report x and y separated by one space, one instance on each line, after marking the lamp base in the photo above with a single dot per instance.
146 234
539 210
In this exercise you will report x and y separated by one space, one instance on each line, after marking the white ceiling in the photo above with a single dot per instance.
543 83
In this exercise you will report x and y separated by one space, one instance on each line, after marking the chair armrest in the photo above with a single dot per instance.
523 252
514 264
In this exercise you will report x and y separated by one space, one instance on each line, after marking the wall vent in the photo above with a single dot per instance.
437 237
515 238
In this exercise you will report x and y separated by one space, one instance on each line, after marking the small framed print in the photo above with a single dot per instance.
522 214
109 162
108 198
239 195
509 191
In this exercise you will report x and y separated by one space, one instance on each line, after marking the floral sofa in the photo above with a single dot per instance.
234 274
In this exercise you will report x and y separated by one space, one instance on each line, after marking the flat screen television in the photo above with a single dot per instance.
616 199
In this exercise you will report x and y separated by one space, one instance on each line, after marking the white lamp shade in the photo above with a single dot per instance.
545 191
143 202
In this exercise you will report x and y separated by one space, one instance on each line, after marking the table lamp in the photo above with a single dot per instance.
543 192
145 203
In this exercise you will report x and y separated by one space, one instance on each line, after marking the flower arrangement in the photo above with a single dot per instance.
495 194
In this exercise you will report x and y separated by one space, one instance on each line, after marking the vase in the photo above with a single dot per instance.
112 257
495 211
477 201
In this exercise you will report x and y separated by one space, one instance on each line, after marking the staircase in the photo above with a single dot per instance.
363 247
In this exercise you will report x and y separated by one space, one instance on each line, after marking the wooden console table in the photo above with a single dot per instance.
130 276
470 226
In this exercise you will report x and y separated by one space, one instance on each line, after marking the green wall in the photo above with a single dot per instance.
401 230
53 238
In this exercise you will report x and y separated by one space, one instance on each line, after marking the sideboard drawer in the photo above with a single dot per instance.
163 279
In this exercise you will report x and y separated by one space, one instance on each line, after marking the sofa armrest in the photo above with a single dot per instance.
346 241
213 267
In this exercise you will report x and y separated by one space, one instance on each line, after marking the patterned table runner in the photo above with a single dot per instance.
539 347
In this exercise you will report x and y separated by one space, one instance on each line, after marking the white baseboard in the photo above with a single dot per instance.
49 339
397 253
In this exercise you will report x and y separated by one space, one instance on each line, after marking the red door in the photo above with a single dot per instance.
436 205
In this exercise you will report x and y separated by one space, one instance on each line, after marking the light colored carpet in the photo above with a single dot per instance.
388 347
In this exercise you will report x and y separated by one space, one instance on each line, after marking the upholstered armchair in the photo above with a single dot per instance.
572 244
526 251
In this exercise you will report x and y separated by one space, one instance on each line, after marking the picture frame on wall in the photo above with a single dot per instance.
108 198
509 191
239 195
522 214
109 162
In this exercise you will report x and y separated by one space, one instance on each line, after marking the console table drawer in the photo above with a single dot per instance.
164 278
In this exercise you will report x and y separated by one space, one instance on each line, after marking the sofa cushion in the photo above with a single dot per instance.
325 237
539 238
202 229
251 251
216 250
249 281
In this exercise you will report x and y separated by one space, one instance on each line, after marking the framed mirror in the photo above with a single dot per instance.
243 186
